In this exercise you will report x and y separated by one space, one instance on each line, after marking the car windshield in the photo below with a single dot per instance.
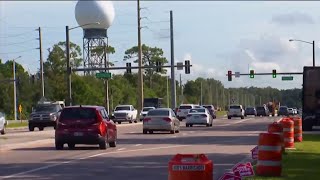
250 109
147 109
260 108
78 114
283 108
185 107
158 112
122 108
234 107
46 108
197 111
208 106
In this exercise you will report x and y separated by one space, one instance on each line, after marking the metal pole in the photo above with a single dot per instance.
173 78
106 64
41 62
140 75
313 53
168 91
181 93
14 89
68 66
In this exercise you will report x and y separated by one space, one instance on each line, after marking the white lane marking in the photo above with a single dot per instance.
137 145
121 149
88 157
235 122
132 132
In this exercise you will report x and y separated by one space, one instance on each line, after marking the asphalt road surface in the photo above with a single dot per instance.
31 155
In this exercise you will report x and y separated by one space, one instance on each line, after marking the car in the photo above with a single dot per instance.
144 112
235 111
211 110
3 123
250 111
262 111
295 110
44 115
161 119
85 125
125 113
199 116
283 111
290 111
183 110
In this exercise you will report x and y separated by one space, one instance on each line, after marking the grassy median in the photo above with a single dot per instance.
302 163
17 124
221 113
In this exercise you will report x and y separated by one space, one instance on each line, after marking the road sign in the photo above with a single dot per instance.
229 175
180 66
233 101
103 75
254 152
287 78
243 169
237 74
20 108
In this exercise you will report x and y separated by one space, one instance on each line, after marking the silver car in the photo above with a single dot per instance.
3 123
161 119
199 116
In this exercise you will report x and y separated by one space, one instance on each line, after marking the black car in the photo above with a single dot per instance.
283 111
44 115
262 111
211 110
250 111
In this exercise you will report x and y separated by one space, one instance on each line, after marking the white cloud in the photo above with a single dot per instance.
293 18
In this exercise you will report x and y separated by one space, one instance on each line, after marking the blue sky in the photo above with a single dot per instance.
217 36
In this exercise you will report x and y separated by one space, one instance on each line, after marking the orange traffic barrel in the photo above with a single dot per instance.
288 132
297 129
277 128
190 167
269 155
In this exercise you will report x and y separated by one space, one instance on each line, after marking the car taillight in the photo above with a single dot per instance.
146 119
167 119
203 115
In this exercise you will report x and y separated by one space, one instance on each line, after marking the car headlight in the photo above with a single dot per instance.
53 117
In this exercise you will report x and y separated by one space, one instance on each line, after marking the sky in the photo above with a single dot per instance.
216 36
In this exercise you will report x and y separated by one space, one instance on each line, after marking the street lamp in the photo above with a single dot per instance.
14 87
313 50
68 59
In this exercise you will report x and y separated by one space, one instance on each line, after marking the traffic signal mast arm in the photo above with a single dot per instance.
284 73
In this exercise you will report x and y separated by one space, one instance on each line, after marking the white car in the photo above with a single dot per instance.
3 123
145 111
291 111
199 116
125 113
183 110
236 111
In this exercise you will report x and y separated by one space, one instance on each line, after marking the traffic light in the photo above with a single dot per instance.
187 66
128 68
274 73
251 73
229 75
158 69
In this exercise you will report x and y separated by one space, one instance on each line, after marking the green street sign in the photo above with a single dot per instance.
287 78
103 75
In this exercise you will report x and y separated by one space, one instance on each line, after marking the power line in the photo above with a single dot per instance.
17 42
19 51
16 35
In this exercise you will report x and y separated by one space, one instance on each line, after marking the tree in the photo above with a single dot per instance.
150 55
104 49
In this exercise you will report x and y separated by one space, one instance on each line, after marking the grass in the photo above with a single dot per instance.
302 163
18 124
221 113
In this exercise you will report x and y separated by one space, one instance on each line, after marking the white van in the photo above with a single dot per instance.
235 111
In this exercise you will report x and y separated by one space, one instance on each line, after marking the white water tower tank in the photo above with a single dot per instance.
90 12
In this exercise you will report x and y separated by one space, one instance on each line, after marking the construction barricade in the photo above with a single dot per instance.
277 128
297 129
190 167
288 132
269 155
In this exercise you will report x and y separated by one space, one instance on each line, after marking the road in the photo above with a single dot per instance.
31 155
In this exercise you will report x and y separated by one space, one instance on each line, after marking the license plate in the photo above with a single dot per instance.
78 134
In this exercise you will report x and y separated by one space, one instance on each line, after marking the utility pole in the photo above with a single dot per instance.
106 65
68 66
313 53
181 92
201 93
140 74
14 89
173 78
168 103
41 62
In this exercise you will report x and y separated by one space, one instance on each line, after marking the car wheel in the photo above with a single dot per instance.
172 132
207 124
130 122
177 131
145 132
31 128
211 125
41 128
71 145
3 131
151 132
135 121
119 122
59 146
102 145
113 144
242 117
187 125
190 125
229 117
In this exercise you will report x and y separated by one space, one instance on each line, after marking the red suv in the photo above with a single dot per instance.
85 125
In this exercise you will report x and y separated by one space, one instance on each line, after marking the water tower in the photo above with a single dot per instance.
95 17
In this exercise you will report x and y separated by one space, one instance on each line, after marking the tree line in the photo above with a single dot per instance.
123 87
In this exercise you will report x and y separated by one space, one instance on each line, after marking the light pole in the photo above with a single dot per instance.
14 87
68 59
313 49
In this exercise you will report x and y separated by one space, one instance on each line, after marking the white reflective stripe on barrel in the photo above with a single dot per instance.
288 140
298 128
298 135
269 148
287 129
268 163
